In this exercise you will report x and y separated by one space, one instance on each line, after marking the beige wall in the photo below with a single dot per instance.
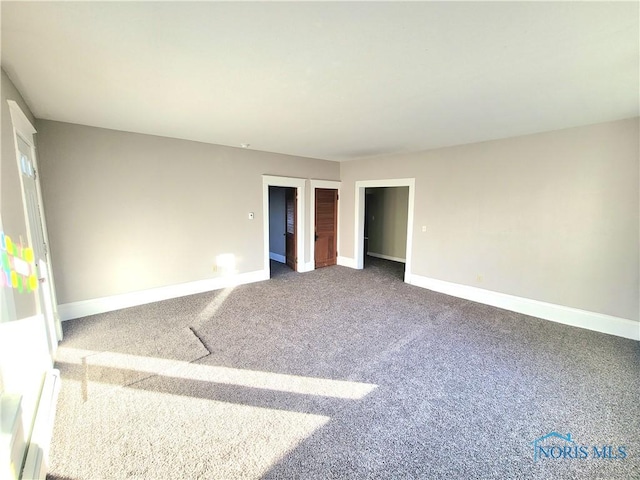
129 212
387 220
12 211
551 217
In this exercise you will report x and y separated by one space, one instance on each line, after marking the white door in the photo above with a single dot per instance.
28 336
38 243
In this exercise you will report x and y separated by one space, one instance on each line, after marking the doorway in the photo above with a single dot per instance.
385 228
359 253
282 226
283 222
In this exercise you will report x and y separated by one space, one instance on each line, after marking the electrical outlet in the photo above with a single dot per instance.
215 268
480 278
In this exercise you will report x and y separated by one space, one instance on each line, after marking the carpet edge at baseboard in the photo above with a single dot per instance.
599 322
83 308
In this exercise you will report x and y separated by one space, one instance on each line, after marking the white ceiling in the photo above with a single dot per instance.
331 80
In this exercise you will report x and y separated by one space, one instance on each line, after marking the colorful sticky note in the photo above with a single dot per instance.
17 268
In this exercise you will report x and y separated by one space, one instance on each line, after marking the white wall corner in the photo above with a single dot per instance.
94 306
598 322
347 262
308 267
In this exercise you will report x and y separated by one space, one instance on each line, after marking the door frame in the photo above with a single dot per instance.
315 184
299 184
358 247
23 128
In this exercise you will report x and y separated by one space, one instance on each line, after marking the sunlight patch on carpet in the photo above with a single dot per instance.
210 310
150 434
215 374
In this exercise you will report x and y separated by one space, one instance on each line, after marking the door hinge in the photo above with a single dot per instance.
45 248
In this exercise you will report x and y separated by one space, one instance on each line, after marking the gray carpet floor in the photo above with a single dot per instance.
339 373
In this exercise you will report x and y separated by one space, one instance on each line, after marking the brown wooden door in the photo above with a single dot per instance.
326 227
290 233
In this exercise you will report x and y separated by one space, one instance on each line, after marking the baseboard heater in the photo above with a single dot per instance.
37 462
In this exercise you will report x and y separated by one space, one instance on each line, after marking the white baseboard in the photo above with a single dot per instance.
308 267
302 267
347 262
94 306
387 257
598 322
277 257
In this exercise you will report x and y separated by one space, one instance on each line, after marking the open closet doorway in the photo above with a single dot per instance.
282 227
283 202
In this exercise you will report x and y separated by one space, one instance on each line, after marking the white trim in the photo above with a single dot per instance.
347 262
37 462
12 443
358 247
330 184
20 121
277 257
299 184
23 128
116 302
598 322
387 257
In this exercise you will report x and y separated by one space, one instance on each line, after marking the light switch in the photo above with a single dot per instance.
424 228
250 215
